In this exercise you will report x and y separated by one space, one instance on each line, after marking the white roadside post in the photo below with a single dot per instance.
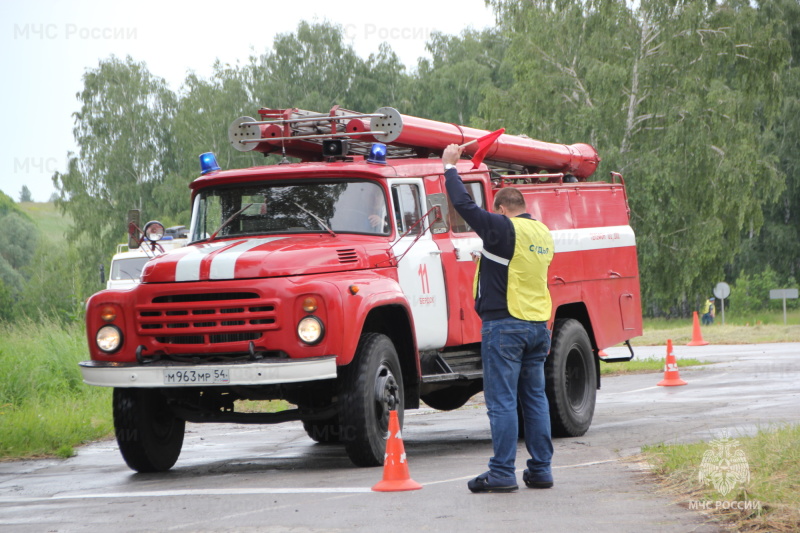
722 291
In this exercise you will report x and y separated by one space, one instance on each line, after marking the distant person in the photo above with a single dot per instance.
709 312
378 221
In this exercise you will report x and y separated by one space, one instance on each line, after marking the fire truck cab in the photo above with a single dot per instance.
343 284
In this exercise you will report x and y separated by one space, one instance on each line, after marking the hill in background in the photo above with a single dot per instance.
48 218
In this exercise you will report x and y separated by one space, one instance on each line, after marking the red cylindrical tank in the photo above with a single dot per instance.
578 159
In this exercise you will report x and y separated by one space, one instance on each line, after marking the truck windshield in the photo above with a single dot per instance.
355 206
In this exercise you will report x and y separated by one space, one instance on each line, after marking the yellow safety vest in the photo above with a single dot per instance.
527 294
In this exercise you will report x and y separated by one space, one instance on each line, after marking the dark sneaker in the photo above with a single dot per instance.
544 482
482 484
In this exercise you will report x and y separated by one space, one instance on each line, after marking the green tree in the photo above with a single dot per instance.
123 131
56 288
450 87
25 194
11 279
200 124
18 240
674 95
750 293
6 302
778 242
311 69
17 244
380 81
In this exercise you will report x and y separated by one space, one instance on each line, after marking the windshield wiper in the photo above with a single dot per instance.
318 219
228 221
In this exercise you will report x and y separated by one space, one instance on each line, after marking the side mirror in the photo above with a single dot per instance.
438 217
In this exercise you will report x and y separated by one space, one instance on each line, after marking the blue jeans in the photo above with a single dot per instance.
513 353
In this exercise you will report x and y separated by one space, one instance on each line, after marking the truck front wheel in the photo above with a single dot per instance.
371 387
149 435
323 431
571 379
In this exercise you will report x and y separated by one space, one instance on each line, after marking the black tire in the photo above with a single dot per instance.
323 431
371 386
149 435
571 379
450 398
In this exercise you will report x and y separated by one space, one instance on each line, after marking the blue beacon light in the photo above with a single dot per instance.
208 163
377 154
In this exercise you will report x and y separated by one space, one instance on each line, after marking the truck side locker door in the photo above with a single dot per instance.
611 267
420 270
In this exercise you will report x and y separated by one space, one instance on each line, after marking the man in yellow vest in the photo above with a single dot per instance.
513 301
709 311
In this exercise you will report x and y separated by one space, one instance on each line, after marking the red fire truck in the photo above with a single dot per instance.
342 284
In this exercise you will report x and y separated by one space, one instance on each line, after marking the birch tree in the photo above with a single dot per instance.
673 94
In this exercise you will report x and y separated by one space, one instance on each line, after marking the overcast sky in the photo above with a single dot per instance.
46 46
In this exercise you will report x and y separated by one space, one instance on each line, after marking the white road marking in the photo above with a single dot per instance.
520 470
191 492
658 387
248 491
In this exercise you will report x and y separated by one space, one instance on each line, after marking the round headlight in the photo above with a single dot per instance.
108 339
154 231
310 330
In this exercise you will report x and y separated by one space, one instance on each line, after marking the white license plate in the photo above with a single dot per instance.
200 376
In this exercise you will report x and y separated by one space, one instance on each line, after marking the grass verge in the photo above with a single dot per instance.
746 329
772 461
45 409
642 366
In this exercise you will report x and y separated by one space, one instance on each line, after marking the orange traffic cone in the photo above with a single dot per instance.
697 337
395 465
672 377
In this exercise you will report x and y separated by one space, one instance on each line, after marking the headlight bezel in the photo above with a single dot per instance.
154 231
307 321
115 332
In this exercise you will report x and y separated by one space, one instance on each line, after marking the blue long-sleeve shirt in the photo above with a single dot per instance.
498 235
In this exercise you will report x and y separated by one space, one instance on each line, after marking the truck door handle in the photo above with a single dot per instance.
559 278
436 252
612 274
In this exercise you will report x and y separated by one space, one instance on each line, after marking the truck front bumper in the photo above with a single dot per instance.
161 374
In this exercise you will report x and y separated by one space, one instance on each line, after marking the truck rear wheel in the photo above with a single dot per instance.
371 387
571 379
149 435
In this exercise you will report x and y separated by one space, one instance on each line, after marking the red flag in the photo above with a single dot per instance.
484 143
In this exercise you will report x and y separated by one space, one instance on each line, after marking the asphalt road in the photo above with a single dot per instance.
274 478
